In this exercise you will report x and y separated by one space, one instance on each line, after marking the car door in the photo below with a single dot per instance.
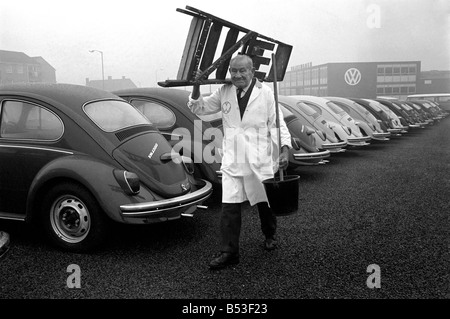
27 132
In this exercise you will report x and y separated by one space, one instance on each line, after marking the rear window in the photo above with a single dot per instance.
113 116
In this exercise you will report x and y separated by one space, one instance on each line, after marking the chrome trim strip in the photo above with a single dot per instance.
316 155
37 148
358 139
12 218
167 204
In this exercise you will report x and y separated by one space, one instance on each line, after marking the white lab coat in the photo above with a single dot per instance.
250 146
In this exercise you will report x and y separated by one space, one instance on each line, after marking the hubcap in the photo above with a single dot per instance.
70 219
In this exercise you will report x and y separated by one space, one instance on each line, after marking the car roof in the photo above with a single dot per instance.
69 96
176 96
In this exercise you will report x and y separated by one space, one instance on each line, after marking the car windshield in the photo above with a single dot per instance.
336 109
309 110
375 106
361 109
112 116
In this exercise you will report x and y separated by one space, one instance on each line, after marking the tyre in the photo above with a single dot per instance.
72 218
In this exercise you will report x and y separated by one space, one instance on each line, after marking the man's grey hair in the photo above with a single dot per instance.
243 56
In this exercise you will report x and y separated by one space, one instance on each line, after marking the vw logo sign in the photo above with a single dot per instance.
352 76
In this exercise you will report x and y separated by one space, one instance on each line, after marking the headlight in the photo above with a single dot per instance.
128 181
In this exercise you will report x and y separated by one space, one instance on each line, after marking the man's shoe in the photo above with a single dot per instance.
270 243
224 259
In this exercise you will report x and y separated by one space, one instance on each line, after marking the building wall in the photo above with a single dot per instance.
434 82
17 67
357 80
14 72
353 79
111 84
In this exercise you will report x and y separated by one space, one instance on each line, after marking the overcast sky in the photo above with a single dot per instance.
144 39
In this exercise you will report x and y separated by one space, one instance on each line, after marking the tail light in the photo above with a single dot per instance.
128 181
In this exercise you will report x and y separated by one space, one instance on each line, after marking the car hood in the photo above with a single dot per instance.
148 155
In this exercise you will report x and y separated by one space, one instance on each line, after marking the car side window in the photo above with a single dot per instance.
160 115
24 120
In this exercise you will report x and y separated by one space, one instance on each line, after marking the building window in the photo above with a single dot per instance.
412 70
300 78
404 89
411 89
427 82
380 70
388 70
396 89
396 70
388 90
380 90
20 69
9 69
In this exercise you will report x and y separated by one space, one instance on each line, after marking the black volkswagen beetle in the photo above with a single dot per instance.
72 158
193 136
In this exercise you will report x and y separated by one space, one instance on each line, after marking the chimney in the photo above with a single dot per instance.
87 81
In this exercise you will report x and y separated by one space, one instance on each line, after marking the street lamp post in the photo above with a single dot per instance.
103 71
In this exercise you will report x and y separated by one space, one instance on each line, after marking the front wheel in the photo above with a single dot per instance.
72 218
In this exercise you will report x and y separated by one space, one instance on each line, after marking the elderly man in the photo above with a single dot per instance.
250 152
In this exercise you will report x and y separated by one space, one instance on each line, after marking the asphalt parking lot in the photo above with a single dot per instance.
385 205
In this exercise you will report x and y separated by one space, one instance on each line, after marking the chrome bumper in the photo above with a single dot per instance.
334 147
358 141
381 136
172 205
311 156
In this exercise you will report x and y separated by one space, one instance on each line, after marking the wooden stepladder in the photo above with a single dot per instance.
202 44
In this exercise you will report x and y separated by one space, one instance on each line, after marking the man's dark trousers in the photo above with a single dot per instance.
231 220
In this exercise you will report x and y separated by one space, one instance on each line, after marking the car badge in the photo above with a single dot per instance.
153 151
185 187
